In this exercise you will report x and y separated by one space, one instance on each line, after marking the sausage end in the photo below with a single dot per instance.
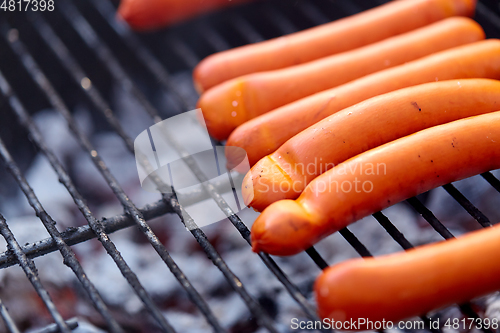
284 228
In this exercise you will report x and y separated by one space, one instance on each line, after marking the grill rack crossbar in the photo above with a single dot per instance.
69 256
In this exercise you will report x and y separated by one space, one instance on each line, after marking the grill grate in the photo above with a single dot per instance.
61 241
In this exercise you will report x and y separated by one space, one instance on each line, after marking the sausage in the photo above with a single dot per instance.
366 125
152 14
406 284
378 178
370 26
263 135
231 103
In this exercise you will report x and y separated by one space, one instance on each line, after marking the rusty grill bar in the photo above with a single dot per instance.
61 241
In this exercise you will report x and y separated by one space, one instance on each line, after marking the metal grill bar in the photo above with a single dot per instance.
95 225
128 205
287 27
280 21
365 253
150 61
490 178
68 61
426 214
213 255
245 29
77 73
67 253
406 245
29 269
466 308
489 14
468 206
355 243
386 221
206 30
392 230
81 234
52 328
430 218
348 7
7 319
185 53
106 9
59 105
312 12
162 76
317 258
106 56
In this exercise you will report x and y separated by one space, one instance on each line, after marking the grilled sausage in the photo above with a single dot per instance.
378 178
261 136
231 103
402 285
366 125
152 14
345 34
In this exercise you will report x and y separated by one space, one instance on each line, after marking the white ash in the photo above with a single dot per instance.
183 322
493 306
131 114
41 176
86 327
228 311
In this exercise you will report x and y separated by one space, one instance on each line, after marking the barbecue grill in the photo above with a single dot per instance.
73 56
